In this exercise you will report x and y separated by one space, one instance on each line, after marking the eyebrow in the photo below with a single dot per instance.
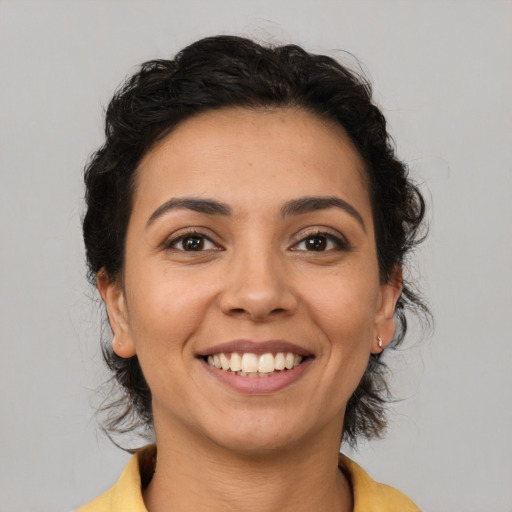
206 206
298 206
315 203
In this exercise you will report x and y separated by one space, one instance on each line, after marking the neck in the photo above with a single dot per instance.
203 476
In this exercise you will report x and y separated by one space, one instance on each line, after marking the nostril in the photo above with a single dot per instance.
238 310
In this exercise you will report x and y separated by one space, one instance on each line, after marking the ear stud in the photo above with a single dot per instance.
379 339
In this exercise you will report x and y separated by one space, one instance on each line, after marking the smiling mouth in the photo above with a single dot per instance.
249 364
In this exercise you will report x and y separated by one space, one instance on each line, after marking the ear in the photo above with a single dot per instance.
113 296
384 319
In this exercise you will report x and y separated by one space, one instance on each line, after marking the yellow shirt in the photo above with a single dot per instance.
126 494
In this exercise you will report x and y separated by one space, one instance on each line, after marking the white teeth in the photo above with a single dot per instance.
224 361
266 363
235 362
279 361
254 365
289 360
249 362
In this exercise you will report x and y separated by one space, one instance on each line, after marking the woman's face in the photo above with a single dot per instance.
251 247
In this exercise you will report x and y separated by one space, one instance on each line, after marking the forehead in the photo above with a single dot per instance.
261 154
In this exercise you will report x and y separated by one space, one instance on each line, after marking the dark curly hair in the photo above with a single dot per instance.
228 71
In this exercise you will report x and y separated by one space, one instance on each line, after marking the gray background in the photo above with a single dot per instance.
443 75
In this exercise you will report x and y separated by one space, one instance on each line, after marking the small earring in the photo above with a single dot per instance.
379 339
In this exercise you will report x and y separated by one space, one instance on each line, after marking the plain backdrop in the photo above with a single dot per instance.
443 77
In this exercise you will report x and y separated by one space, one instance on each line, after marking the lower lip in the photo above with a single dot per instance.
259 385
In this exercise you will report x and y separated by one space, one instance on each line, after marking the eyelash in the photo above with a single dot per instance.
173 242
339 243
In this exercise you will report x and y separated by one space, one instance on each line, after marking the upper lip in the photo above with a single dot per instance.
255 347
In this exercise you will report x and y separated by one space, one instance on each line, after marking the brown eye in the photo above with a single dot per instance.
192 243
316 243
321 242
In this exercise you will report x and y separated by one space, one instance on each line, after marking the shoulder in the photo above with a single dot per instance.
371 496
125 495
101 504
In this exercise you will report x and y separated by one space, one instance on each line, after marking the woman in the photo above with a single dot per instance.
246 227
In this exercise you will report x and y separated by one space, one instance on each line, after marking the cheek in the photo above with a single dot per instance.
344 303
165 310
162 321
344 309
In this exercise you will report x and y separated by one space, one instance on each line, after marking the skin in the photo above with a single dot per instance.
255 278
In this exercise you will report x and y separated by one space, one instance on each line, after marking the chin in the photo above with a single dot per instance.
261 444
261 437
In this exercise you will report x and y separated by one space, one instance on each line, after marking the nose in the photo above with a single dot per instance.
258 288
